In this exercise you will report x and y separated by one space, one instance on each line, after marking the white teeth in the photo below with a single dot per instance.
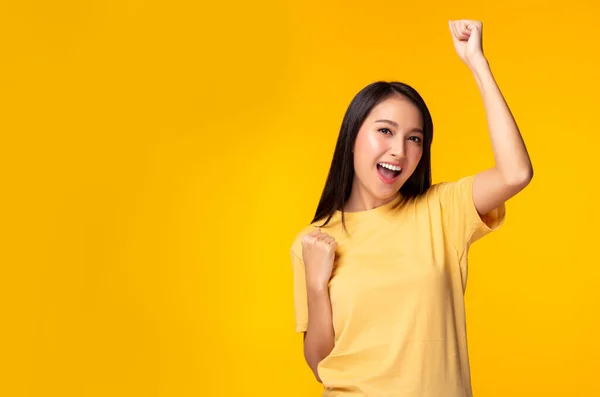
390 167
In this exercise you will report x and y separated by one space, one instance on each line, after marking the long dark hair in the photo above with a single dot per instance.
341 172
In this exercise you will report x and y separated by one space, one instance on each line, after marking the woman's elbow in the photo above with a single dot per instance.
316 372
313 363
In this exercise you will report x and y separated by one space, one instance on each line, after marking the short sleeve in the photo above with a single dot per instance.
462 222
300 298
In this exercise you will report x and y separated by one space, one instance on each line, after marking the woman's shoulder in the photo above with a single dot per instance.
427 199
450 187
443 193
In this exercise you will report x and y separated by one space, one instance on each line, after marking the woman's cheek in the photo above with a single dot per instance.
375 141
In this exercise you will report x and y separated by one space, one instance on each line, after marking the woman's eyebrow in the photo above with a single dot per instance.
416 129
387 121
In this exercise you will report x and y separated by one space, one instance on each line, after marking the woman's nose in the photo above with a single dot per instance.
399 151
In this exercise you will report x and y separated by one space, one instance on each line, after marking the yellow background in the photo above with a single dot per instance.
158 158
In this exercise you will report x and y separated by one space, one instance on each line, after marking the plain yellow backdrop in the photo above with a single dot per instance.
158 158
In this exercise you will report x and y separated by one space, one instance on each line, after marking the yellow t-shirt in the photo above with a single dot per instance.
397 295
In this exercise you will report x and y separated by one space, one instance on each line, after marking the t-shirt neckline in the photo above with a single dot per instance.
373 211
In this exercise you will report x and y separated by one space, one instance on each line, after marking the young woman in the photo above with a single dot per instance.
380 273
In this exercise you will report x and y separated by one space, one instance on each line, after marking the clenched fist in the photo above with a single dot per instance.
467 37
318 253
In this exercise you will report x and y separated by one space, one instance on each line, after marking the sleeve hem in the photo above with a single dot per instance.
301 327
491 221
483 224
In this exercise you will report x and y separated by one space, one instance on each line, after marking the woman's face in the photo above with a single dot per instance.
391 134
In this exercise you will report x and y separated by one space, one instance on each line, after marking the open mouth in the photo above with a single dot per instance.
387 173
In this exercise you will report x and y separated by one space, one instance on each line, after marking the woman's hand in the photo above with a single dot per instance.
467 38
318 254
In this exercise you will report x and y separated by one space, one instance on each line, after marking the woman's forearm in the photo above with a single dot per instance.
319 336
510 154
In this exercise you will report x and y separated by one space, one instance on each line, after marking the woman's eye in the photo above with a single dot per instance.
416 138
384 129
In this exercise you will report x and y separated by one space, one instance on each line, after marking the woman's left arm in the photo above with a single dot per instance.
512 171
